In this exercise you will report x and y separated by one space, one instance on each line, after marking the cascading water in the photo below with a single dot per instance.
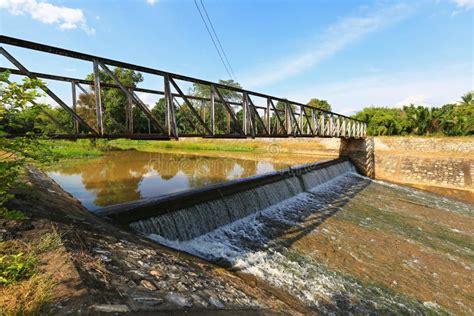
196 220
260 230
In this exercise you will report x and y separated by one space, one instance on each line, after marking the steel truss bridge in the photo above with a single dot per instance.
256 120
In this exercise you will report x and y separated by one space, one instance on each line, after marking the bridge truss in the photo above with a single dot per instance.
254 120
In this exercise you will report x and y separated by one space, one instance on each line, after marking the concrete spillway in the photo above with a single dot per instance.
187 215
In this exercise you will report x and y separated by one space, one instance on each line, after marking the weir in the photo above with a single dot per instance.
187 215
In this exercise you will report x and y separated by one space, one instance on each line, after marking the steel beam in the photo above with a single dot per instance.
254 108
188 103
134 97
53 96
212 111
229 109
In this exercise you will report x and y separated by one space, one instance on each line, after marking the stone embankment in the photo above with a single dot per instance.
117 271
441 165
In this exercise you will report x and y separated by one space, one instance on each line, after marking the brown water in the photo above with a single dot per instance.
125 176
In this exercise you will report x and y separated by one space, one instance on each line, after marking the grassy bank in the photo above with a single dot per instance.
83 148
203 145
25 286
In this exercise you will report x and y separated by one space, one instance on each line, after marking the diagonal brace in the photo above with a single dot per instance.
47 91
190 106
133 96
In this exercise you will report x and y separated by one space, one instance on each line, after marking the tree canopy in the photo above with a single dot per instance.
321 104
449 119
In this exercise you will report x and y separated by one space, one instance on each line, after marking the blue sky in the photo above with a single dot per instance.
352 53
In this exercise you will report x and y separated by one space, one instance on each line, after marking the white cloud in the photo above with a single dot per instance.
431 87
418 99
465 4
335 38
151 2
66 18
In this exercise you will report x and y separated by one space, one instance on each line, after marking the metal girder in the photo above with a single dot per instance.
257 115
98 101
193 110
47 90
133 96
277 115
229 109
170 120
307 121
294 118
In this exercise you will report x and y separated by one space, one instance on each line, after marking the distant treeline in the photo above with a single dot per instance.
449 120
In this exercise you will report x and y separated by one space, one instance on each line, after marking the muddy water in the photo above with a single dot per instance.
124 176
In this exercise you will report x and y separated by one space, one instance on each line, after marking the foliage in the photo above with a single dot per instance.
25 287
321 104
113 101
14 98
12 214
449 120
15 267
224 124
467 99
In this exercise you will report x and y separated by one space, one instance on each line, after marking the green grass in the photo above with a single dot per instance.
12 214
17 267
205 145
84 148
25 287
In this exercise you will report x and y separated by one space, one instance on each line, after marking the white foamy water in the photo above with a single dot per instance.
259 241
252 244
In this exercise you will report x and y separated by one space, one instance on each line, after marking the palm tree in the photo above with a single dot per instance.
467 99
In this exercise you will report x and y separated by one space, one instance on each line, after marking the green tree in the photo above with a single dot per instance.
223 121
467 99
320 104
114 100
14 100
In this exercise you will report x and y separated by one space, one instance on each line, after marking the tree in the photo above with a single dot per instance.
114 100
14 98
320 104
467 99
222 116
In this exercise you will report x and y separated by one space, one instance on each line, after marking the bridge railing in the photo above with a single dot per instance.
183 112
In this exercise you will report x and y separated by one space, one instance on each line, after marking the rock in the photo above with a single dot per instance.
111 308
214 301
148 300
179 299
148 285
155 273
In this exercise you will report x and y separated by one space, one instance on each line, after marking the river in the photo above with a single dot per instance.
123 176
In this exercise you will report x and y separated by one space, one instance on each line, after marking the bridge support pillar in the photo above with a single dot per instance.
361 152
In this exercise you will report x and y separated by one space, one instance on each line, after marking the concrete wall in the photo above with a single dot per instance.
442 165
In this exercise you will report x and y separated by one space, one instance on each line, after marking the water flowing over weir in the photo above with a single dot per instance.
188 215
202 218
256 226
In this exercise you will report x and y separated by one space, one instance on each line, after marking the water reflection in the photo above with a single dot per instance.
130 175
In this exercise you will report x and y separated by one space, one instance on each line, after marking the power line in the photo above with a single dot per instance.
213 41
218 40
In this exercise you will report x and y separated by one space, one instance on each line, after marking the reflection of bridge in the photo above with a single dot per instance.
255 115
